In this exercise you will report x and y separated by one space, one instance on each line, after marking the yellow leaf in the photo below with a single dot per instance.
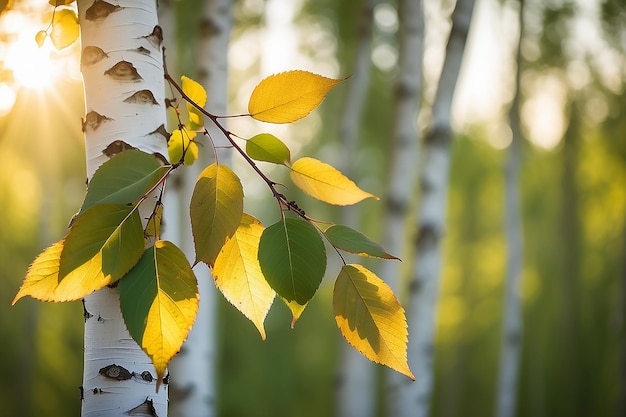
288 96
42 277
371 318
238 274
64 28
198 95
325 183
179 143
159 302
296 310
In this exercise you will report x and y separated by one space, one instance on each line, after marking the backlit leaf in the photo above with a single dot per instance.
101 247
296 310
159 302
92 255
5 5
64 28
124 179
238 274
288 96
57 3
40 37
180 142
267 147
153 226
42 276
350 240
325 183
197 94
293 259
371 318
216 209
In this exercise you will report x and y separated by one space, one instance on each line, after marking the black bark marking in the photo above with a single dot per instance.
156 37
97 391
115 147
142 50
123 71
82 392
116 372
86 314
147 376
161 131
93 120
92 55
166 380
146 408
99 10
161 158
142 97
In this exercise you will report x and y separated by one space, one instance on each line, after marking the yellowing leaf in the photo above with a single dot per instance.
64 28
371 318
216 209
296 310
179 143
288 96
42 276
197 94
40 37
325 183
159 302
57 3
238 274
267 147
104 243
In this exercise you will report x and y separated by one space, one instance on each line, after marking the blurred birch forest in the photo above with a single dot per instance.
494 132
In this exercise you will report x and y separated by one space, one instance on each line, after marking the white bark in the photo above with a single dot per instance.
121 57
506 399
194 370
356 379
405 140
414 398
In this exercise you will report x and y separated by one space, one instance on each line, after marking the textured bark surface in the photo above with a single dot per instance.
510 350
194 369
414 399
124 97
356 378
405 148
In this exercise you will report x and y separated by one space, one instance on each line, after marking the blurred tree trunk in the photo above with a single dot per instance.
356 378
194 369
414 398
121 57
506 398
621 399
405 146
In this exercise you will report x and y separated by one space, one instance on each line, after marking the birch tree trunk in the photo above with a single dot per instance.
124 97
511 344
356 379
194 369
405 140
414 398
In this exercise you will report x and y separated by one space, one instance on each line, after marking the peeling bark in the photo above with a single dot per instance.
114 364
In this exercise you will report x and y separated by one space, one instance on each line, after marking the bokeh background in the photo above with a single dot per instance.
573 196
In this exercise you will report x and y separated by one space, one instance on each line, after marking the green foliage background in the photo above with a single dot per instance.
574 210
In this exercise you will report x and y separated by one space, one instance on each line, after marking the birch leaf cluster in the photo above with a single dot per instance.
109 243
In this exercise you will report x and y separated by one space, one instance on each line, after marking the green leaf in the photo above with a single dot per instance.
350 240
216 209
371 318
293 259
325 183
198 95
159 302
124 179
101 247
92 255
64 28
288 96
267 147
238 274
